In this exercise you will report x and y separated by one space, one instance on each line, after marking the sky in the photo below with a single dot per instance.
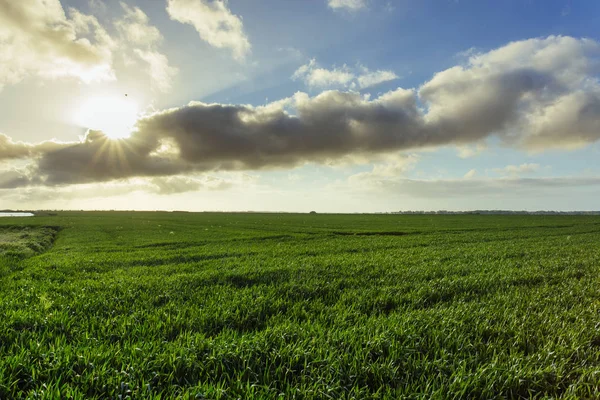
325 105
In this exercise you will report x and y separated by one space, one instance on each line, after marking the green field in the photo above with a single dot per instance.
226 306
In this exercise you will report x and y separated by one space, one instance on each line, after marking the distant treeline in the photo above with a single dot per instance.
439 212
500 212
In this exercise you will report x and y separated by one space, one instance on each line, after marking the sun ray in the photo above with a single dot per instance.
122 160
113 153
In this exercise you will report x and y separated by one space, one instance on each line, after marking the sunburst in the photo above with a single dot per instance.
113 115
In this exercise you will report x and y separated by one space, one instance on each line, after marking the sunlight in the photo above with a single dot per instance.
113 115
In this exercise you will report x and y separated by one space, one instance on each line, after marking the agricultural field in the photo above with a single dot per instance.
120 305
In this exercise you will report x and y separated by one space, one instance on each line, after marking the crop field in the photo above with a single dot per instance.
120 305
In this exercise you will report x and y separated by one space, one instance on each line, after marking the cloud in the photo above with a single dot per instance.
13 179
291 52
372 78
440 188
389 178
160 71
468 151
143 39
10 150
517 169
97 6
536 93
345 77
97 159
214 22
349 5
38 39
471 174
321 77
469 185
394 167
182 184
154 186
135 27
521 94
208 137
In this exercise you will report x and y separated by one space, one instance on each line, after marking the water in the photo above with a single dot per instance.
15 214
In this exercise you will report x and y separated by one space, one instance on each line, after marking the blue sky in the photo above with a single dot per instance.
543 154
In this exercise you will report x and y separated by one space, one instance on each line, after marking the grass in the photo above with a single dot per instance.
18 242
228 306
21 242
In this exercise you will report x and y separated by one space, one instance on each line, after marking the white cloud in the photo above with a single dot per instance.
394 166
97 6
214 22
536 93
37 38
350 5
321 77
142 40
471 174
468 151
518 169
372 78
159 69
136 29
294 177
291 52
346 77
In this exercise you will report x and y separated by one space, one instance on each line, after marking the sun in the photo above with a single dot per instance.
113 115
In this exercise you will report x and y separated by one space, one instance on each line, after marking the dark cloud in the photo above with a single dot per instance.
534 94
14 179
330 125
99 158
